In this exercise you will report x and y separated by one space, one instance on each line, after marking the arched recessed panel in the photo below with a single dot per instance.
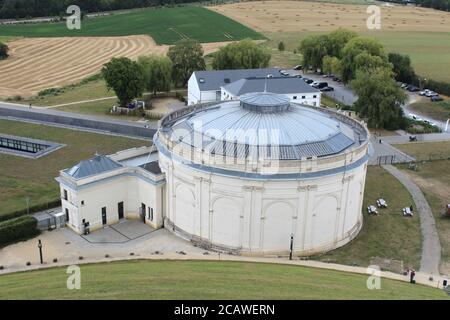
277 226
353 203
324 221
226 223
185 208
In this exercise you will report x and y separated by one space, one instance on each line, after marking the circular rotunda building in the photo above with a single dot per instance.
247 176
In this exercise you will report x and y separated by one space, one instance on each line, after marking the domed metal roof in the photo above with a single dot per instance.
267 123
265 102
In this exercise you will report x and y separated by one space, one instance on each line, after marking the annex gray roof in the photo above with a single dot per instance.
281 85
97 164
213 80
287 134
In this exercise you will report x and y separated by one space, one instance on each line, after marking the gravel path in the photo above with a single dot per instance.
431 247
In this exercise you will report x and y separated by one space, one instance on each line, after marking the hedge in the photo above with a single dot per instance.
32 209
18 229
438 86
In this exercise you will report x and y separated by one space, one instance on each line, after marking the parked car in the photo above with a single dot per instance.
430 123
336 79
308 81
327 89
412 88
298 76
284 73
403 85
428 93
320 85
415 117
298 67
436 99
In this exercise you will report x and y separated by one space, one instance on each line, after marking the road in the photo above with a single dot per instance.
346 96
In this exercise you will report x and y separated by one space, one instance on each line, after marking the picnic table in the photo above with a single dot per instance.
381 203
372 209
407 212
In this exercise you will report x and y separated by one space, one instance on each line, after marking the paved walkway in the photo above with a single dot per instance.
386 153
431 246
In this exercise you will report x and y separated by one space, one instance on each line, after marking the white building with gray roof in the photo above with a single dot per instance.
205 86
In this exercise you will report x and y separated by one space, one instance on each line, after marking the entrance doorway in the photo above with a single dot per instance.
104 221
143 209
120 210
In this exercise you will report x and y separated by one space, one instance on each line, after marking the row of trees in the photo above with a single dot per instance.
156 73
15 9
363 63
3 51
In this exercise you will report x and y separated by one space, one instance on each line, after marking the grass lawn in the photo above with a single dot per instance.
88 90
164 25
433 178
34 178
426 150
435 110
6 39
387 235
205 280
429 51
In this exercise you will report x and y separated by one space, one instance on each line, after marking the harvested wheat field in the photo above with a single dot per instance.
39 63
286 16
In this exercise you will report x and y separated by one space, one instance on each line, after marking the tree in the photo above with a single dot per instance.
281 46
125 77
244 54
355 47
187 57
337 41
367 62
313 48
3 51
403 71
379 99
157 72
331 65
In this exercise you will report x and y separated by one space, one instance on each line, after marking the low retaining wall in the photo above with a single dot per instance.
73 120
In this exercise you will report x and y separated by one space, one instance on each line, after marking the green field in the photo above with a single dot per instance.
429 51
165 25
423 151
22 178
205 280
435 110
384 235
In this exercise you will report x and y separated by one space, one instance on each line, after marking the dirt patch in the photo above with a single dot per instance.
39 63
276 16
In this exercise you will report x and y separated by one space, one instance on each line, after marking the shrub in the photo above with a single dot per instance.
3 51
17 229
50 92
39 207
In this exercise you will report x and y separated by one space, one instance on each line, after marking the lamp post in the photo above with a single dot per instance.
291 247
40 251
